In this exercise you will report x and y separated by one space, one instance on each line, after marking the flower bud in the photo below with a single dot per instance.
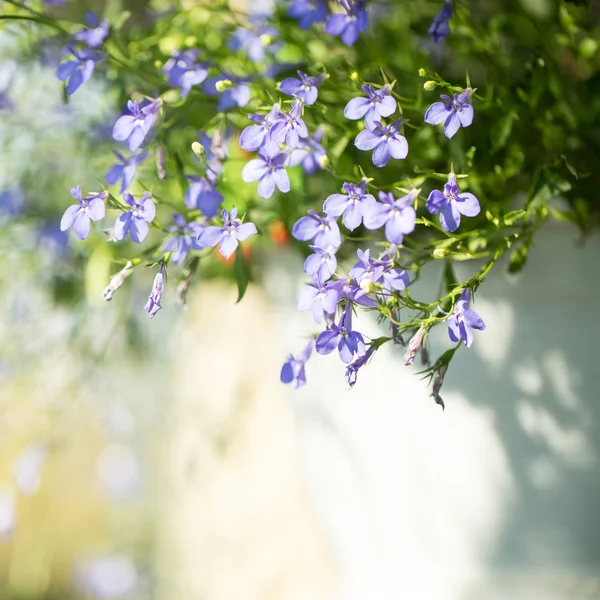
223 85
430 85
266 39
324 161
198 149
440 253
422 73
117 281
354 76
368 286
414 345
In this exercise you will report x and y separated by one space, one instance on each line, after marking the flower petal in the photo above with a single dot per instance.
452 125
357 108
468 205
327 342
367 140
437 113
69 217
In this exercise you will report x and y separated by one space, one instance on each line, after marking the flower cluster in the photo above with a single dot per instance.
283 137
81 56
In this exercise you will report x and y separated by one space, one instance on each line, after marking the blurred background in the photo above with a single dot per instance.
164 460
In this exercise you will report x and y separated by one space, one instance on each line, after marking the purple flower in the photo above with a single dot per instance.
235 94
324 231
136 123
378 104
135 221
361 361
79 215
454 113
463 320
268 171
366 271
322 263
182 70
440 28
253 41
320 298
126 170
348 25
308 12
385 141
354 205
153 304
309 153
289 127
350 344
255 136
95 34
293 369
398 216
202 195
305 88
451 204
186 239
79 68
228 236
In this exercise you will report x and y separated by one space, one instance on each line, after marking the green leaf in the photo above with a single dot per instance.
240 269
518 258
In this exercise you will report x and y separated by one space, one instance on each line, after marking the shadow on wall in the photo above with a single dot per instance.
496 495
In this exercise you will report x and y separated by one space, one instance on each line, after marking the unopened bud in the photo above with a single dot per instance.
266 39
324 160
354 76
161 160
368 286
117 281
430 85
422 73
414 345
440 253
223 85
198 149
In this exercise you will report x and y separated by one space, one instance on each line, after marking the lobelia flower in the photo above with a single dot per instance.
361 361
350 344
153 304
268 171
323 231
126 170
293 369
137 122
135 221
378 104
228 236
186 239
289 127
350 25
398 216
320 298
350 290
440 28
182 70
305 88
254 41
451 204
366 271
385 141
202 195
454 112
255 136
354 206
79 68
322 263
96 32
307 12
463 320
309 153
79 215
237 93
